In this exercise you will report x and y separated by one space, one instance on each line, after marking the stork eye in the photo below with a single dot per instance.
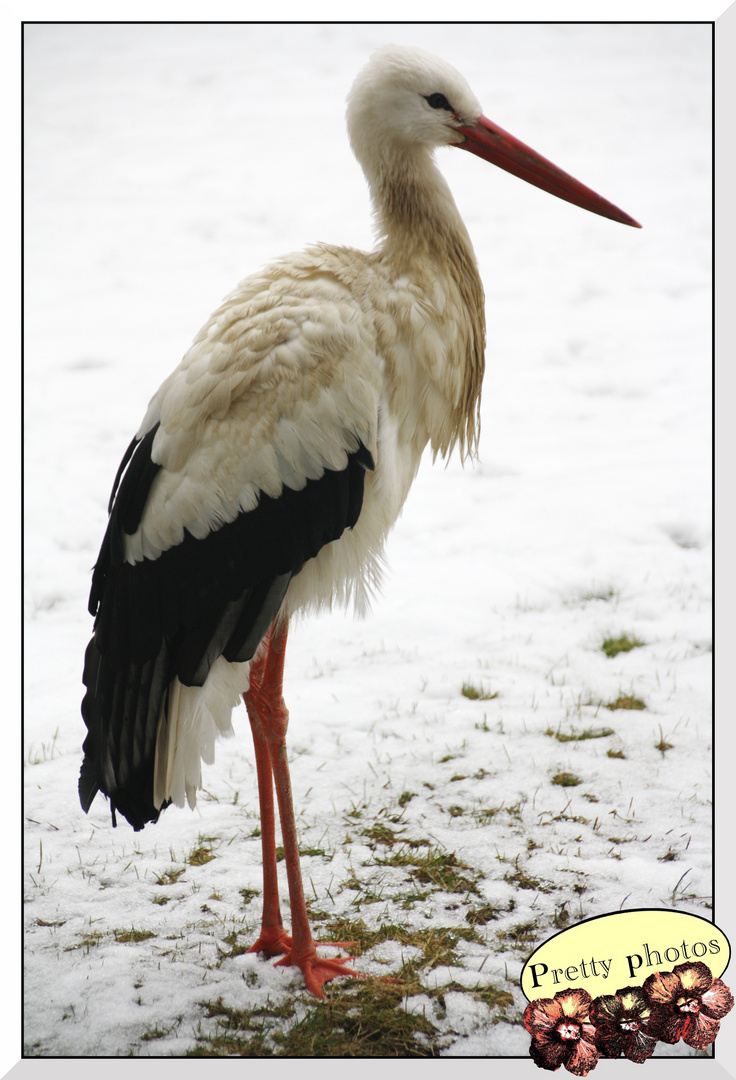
438 101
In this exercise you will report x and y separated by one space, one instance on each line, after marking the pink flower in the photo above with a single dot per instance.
562 1033
688 1003
625 1024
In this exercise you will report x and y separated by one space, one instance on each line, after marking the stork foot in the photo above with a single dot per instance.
272 941
316 970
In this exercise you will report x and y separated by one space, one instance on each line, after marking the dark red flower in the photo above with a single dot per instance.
688 1003
562 1033
625 1023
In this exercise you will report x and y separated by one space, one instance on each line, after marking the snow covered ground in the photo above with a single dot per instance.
163 163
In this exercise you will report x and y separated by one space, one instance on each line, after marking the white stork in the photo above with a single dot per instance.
274 460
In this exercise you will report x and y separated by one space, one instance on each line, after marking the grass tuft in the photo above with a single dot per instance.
626 701
482 915
477 693
87 941
521 880
170 877
441 869
581 736
362 1020
521 935
380 834
200 854
566 779
489 995
436 944
133 935
231 939
613 646
663 746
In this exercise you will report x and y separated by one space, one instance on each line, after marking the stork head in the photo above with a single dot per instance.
406 97
406 100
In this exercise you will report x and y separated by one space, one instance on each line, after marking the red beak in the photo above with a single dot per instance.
490 142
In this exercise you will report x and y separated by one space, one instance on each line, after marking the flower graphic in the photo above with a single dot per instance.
562 1032
625 1023
688 1004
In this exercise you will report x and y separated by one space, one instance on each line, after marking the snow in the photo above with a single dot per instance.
164 163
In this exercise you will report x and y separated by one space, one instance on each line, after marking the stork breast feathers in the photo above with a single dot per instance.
260 400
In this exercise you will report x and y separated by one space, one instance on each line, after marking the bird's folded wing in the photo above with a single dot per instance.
251 459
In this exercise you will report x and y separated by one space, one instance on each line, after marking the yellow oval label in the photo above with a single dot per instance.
605 954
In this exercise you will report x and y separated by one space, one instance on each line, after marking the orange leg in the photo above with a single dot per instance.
273 939
269 720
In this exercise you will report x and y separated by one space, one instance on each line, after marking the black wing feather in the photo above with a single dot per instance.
176 614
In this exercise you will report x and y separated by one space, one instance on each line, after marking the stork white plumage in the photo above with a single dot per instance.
274 460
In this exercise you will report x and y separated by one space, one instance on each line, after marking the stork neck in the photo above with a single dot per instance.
416 212
425 242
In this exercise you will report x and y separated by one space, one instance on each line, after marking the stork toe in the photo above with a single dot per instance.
316 969
272 941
